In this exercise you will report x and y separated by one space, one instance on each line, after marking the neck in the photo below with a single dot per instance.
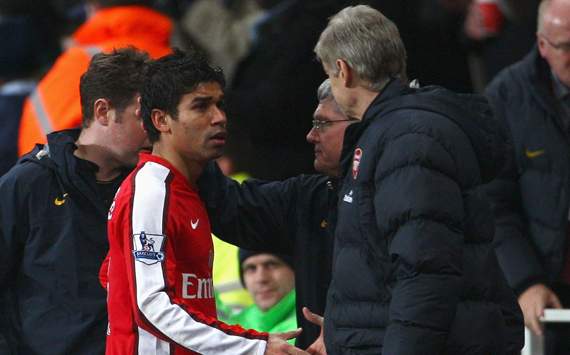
361 99
90 149
189 168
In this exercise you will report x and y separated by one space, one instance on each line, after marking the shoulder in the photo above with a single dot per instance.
511 81
412 123
26 174
151 173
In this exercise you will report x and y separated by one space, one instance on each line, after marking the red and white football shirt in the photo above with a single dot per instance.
160 291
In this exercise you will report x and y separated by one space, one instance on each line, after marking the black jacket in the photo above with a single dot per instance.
294 217
414 271
532 195
53 239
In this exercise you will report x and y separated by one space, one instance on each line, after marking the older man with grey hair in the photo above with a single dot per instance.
295 216
414 270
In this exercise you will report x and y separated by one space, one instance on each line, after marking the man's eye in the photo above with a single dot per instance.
200 107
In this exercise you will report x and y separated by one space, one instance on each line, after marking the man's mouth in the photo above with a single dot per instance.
219 138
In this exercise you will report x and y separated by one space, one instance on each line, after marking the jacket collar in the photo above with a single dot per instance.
539 74
395 88
72 173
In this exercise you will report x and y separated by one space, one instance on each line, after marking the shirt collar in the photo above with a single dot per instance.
561 91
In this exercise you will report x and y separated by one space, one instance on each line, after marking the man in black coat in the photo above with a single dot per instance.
295 216
414 230
53 217
532 197
413 271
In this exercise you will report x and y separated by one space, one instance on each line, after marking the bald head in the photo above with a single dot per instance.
553 13
553 37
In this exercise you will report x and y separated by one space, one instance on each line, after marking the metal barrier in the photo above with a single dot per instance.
534 345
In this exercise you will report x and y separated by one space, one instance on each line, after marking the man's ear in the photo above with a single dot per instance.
159 120
345 72
541 45
101 108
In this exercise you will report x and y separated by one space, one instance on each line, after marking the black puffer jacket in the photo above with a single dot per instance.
414 271
532 195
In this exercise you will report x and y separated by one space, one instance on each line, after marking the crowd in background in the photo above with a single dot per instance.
266 49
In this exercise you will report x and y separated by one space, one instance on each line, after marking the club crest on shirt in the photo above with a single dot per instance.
148 248
356 162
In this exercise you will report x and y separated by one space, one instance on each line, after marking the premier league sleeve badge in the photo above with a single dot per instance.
148 248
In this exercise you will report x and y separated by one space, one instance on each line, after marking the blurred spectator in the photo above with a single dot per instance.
532 197
270 279
432 33
28 46
222 29
55 104
500 33
271 96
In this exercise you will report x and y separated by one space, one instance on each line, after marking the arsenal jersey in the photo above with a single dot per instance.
160 291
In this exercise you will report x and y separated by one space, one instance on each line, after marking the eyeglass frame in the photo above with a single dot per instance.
321 125
563 47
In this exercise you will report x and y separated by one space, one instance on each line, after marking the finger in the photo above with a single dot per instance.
534 325
312 317
289 335
290 349
554 301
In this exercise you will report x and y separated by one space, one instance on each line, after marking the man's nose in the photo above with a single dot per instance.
312 136
219 116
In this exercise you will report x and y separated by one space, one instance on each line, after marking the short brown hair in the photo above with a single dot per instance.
116 76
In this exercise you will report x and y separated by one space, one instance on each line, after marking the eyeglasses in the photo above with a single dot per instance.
321 125
563 47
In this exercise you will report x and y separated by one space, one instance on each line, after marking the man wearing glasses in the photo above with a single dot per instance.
532 198
293 217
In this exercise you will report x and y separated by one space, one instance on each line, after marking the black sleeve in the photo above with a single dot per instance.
13 228
255 214
512 244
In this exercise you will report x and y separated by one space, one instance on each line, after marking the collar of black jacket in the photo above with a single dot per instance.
393 89
75 176
538 72
471 113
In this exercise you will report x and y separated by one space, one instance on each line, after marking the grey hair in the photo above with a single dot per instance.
368 41
324 92
540 17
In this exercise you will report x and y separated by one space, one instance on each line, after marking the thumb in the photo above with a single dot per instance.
312 317
554 301
288 335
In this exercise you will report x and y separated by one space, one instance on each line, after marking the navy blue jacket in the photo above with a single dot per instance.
53 239
532 195
414 271
294 217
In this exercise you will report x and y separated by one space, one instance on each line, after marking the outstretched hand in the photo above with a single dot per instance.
318 346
